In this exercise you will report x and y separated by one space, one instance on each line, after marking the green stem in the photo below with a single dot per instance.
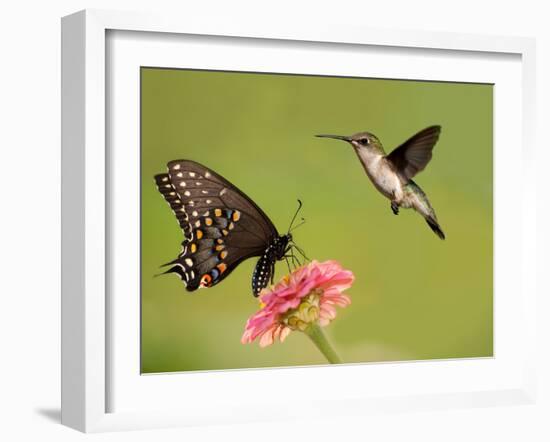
316 334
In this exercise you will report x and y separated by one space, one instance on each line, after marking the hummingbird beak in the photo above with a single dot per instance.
336 137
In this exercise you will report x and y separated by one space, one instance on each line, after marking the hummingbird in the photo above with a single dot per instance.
392 173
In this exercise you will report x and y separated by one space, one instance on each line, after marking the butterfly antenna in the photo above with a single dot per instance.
302 222
295 215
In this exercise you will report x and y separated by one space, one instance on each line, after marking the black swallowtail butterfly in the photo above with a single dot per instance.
222 227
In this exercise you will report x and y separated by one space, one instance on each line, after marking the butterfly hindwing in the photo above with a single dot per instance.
221 225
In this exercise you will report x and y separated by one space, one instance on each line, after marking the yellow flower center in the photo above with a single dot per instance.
305 314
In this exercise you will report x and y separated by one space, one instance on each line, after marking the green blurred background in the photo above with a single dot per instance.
415 296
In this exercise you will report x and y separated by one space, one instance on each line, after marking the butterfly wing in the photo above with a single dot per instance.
414 154
221 225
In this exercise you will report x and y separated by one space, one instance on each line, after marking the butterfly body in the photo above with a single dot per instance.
222 227
392 173
265 267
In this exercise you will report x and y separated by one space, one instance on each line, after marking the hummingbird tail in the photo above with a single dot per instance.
432 222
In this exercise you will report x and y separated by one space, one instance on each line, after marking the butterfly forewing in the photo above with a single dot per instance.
221 225
169 193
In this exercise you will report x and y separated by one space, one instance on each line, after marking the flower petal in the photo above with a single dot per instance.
322 283
285 331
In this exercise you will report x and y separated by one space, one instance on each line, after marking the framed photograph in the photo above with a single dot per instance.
263 222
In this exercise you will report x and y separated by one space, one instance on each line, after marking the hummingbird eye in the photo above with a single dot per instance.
364 141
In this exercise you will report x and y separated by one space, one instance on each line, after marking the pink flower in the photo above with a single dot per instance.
308 295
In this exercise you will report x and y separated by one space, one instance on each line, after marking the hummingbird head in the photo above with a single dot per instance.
360 140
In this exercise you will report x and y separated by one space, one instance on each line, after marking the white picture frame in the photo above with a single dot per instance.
88 322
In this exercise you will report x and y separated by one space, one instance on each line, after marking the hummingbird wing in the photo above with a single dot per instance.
414 154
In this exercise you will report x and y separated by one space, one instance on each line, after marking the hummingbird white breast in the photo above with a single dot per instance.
381 174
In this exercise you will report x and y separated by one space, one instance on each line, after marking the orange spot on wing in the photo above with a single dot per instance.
206 280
